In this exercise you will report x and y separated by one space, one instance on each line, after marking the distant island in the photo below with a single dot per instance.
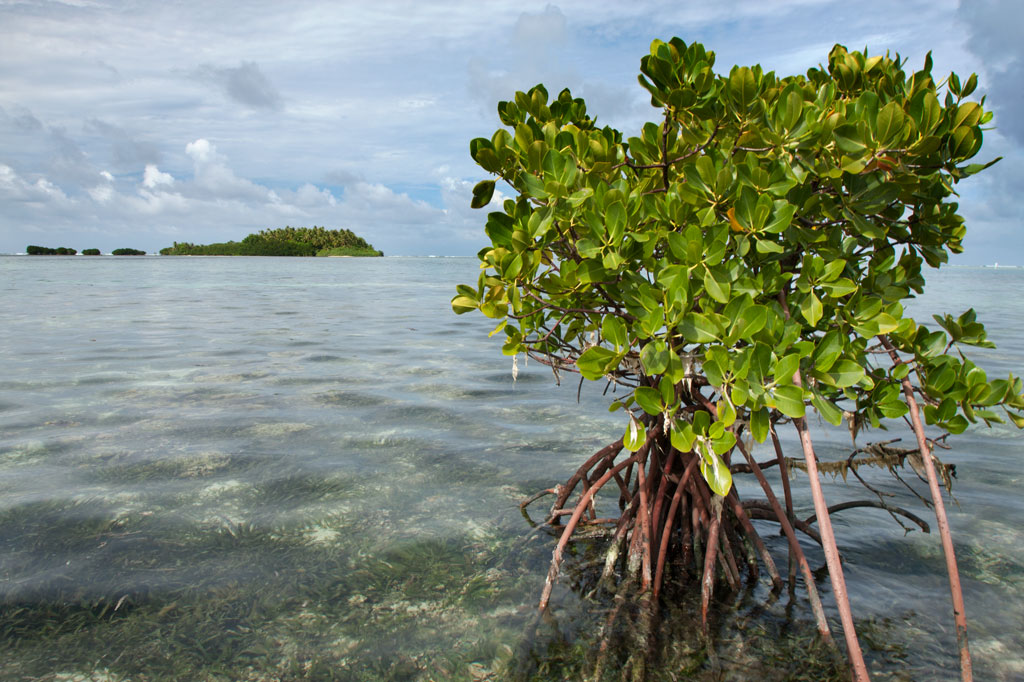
286 241
33 250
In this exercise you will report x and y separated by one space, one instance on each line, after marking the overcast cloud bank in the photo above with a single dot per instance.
142 124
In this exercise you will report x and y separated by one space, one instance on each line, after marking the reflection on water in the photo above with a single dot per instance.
311 469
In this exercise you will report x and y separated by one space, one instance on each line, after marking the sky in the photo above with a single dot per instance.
139 123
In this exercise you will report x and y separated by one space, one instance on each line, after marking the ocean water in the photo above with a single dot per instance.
262 468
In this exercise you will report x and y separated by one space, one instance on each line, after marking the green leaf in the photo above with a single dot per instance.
845 373
714 471
786 367
849 139
766 246
682 436
759 424
613 329
635 435
654 357
742 86
717 290
698 328
889 123
723 442
615 217
827 351
596 361
957 424
781 219
839 288
463 304
752 321
811 309
482 193
789 400
886 323
649 400
726 413
827 409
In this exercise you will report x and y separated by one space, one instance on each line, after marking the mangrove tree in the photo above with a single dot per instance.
738 263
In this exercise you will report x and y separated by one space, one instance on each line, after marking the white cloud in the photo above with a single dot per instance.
340 114
15 188
201 151
153 176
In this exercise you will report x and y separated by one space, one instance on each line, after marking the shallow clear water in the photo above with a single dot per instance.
236 468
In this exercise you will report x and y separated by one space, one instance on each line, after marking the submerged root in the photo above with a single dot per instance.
671 527
670 524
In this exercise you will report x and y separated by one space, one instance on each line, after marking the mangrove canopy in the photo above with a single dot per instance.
738 263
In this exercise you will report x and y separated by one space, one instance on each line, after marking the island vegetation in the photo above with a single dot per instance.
33 250
739 263
286 241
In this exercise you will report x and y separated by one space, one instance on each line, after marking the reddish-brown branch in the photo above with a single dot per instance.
761 511
725 555
666 532
608 451
959 612
615 546
878 505
794 546
581 506
751 532
787 494
659 524
644 522
710 553
835 566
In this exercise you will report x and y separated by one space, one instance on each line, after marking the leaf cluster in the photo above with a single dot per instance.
34 250
745 254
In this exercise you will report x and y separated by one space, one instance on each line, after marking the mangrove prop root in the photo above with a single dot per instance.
751 533
670 512
780 459
670 520
959 613
556 557
708 581
665 536
762 511
794 547
835 567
